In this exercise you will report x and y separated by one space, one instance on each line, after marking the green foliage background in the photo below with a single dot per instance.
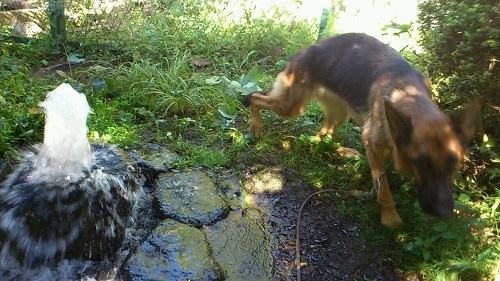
174 72
461 40
462 43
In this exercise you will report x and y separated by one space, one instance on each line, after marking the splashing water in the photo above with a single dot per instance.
66 150
66 199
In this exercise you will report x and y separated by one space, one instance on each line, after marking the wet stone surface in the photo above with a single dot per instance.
242 246
190 197
202 231
173 251
228 225
153 160
187 225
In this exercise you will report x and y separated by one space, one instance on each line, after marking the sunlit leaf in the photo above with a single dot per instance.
98 68
235 84
177 9
464 198
495 206
250 76
144 112
36 110
62 74
27 133
227 115
214 80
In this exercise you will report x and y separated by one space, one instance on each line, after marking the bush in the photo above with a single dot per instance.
462 41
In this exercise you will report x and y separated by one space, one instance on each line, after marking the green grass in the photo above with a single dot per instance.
150 91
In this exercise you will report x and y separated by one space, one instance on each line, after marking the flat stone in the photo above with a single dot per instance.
173 252
189 197
242 246
154 158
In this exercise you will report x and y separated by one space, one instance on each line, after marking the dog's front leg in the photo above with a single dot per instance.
256 122
256 100
390 217
376 158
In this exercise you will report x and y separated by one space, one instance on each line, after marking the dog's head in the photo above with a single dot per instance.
431 150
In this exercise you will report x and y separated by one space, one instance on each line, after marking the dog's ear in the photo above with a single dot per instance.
399 124
464 121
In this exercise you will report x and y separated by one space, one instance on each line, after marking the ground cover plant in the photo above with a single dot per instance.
177 75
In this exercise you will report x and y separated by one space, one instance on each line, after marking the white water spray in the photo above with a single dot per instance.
66 199
66 152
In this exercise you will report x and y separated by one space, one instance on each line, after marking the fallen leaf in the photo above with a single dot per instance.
201 62
62 74
36 110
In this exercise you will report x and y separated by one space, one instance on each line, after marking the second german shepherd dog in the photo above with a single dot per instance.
356 75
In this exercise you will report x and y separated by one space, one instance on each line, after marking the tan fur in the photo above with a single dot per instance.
431 130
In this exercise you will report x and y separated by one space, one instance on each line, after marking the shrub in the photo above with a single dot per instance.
462 44
462 41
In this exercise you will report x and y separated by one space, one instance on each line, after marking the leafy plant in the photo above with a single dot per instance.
143 86
246 85
462 48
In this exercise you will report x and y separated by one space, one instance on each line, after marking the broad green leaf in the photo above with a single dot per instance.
464 198
75 58
214 80
177 9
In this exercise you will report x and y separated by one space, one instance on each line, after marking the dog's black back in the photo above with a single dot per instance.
349 64
355 75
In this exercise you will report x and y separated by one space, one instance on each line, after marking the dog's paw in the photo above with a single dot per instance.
256 129
348 152
247 100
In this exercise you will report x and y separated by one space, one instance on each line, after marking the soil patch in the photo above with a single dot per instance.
330 247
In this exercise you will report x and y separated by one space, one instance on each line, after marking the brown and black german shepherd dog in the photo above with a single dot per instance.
357 75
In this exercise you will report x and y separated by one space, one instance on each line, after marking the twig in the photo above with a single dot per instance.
353 193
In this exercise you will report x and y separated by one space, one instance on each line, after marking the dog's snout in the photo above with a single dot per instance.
436 200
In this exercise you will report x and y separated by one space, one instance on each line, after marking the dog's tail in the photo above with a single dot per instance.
247 100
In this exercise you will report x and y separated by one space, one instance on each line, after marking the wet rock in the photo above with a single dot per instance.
155 157
174 252
189 197
45 221
153 160
235 246
232 193
242 246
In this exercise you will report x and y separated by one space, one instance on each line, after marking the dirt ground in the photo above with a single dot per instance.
330 246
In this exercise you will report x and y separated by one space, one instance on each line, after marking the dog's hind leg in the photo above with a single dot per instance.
335 109
376 155
287 98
